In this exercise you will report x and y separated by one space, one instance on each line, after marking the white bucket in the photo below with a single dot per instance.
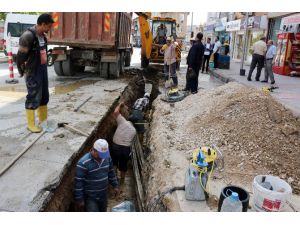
270 200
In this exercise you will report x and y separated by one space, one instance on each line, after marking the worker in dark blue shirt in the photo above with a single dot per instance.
93 173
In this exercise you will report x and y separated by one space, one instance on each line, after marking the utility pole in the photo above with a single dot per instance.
242 71
192 34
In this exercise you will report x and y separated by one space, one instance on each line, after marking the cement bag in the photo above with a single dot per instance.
193 188
126 206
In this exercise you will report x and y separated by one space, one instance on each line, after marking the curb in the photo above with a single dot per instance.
221 77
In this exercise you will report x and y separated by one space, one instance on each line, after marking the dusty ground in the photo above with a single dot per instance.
254 132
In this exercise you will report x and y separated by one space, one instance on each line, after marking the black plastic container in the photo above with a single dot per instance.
243 195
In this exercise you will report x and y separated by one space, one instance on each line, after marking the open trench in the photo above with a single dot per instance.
61 199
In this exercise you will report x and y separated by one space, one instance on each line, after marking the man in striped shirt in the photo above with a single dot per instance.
93 173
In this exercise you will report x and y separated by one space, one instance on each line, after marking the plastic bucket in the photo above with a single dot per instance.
270 200
243 196
211 65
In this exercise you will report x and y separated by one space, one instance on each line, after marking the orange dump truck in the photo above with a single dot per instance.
97 39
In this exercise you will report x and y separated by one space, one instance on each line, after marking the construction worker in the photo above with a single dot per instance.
161 34
32 64
139 108
93 173
169 51
122 140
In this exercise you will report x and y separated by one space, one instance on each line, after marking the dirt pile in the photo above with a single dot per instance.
255 133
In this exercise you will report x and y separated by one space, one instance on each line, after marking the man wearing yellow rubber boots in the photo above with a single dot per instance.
32 64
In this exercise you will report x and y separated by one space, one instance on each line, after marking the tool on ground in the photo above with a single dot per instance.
73 129
75 110
269 89
113 89
197 177
21 153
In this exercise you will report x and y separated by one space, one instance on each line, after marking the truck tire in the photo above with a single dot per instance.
58 68
127 58
79 69
68 67
114 70
144 62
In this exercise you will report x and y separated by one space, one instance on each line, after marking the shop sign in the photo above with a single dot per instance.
209 28
234 25
290 23
221 24
253 22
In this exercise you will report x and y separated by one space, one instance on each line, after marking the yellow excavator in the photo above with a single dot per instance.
151 44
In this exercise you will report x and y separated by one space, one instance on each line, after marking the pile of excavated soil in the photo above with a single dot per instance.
256 134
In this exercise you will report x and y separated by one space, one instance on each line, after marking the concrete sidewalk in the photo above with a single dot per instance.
288 93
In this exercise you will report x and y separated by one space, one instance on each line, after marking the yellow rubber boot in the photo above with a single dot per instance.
31 122
42 112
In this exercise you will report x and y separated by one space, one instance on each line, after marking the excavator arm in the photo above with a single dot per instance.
146 37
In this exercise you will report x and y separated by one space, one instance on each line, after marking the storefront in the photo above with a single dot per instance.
232 27
257 28
220 30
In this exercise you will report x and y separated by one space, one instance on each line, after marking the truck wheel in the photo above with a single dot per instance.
144 62
79 69
58 68
114 70
68 67
127 58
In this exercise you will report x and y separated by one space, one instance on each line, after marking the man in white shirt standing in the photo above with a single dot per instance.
207 52
216 52
258 58
270 57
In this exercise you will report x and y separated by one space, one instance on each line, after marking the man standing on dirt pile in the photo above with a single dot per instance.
139 108
32 62
122 140
258 58
93 173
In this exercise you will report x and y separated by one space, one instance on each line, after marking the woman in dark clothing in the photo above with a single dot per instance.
194 61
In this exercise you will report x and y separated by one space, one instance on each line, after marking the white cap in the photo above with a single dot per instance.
101 146
147 95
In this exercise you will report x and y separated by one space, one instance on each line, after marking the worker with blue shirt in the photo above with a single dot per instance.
93 173
270 58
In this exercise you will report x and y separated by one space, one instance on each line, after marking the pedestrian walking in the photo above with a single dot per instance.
138 110
94 171
270 57
32 64
216 50
122 140
194 60
207 53
169 51
187 88
258 58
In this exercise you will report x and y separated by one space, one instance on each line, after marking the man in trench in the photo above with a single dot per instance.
32 64
122 140
138 110
93 173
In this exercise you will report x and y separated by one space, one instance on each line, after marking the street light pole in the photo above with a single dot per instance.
242 71
192 24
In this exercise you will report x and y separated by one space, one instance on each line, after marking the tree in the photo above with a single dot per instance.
3 14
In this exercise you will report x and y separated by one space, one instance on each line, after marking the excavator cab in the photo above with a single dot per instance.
154 32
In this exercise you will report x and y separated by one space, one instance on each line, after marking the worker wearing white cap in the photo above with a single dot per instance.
169 51
93 173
